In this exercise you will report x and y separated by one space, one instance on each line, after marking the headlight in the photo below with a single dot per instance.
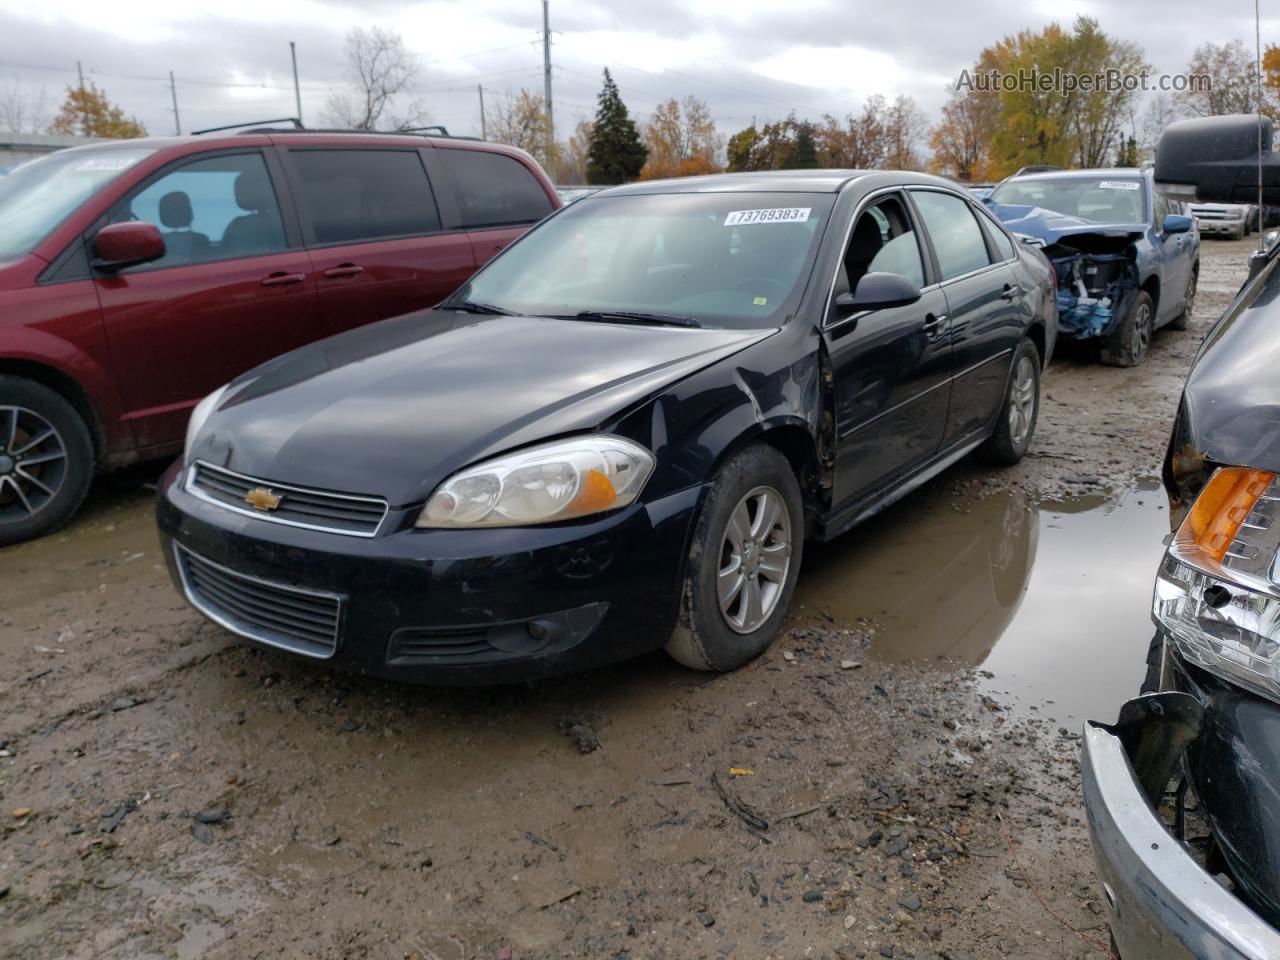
1218 590
543 484
198 416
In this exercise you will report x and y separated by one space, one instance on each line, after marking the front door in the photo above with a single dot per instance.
890 366
229 293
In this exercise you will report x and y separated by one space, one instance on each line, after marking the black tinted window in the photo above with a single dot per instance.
495 189
1003 242
957 238
354 195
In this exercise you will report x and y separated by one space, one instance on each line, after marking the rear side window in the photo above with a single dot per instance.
1004 245
957 238
494 189
360 195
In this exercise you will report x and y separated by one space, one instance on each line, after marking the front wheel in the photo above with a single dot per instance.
743 563
1128 342
1021 408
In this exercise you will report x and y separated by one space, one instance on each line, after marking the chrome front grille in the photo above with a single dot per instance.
292 618
349 514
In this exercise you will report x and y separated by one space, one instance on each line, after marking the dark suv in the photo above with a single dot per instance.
139 275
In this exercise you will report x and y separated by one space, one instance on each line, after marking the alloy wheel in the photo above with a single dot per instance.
1022 400
1140 332
755 556
33 463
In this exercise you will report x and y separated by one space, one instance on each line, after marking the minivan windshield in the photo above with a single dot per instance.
735 260
1100 199
39 195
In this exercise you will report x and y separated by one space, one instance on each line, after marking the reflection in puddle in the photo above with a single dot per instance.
1054 600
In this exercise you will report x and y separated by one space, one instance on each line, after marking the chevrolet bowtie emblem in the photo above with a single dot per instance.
261 498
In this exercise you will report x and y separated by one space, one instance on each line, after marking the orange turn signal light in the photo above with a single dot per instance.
596 493
1216 516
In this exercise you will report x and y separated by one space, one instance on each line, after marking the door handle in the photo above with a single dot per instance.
934 323
343 270
282 279
1010 291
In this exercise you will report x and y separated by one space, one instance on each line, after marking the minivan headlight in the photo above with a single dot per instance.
198 417
1217 593
543 484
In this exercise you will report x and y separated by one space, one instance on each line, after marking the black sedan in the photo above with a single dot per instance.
619 434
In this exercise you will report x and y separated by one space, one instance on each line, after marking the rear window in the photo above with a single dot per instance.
494 189
359 195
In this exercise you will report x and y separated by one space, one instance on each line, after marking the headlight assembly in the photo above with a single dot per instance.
1217 593
198 416
542 484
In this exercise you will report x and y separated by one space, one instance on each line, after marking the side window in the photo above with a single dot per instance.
216 208
883 241
1004 243
957 238
494 189
361 195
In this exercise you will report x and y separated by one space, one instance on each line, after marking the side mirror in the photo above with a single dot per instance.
876 291
1177 223
120 245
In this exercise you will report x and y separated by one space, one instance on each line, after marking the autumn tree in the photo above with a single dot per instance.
1223 79
381 72
681 136
961 141
1097 117
570 163
617 153
858 142
522 121
766 147
905 126
88 113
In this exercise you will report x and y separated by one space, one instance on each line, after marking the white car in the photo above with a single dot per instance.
1235 220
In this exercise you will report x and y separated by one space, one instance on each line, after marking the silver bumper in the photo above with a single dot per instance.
1163 905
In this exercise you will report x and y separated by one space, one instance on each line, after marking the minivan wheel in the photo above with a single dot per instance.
743 563
1021 408
46 460
1127 345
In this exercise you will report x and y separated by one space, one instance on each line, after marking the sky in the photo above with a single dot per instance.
748 59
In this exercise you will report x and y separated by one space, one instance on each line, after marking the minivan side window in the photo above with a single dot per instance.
957 238
494 189
353 196
215 208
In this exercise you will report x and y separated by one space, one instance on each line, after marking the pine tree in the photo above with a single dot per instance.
617 153
804 155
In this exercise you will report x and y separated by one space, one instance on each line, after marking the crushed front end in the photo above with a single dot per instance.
1097 275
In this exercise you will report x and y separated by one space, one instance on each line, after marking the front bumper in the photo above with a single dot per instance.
1163 905
452 607
1220 228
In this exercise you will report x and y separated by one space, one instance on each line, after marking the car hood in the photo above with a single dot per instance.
1232 395
1051 227
393 408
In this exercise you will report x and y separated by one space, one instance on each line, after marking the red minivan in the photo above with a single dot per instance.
139 275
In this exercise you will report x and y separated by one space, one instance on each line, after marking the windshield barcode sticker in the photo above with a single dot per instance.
737 218
1118 185
106 163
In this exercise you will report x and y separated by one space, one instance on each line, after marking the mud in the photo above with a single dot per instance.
900 742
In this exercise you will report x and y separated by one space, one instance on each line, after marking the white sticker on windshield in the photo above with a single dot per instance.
1119 185
106 163
737 218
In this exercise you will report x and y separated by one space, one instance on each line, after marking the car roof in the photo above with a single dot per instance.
261 135
1077 174
776 181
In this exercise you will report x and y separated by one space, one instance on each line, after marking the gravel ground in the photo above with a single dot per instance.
167 791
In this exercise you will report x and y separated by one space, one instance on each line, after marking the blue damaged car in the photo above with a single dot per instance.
1126 257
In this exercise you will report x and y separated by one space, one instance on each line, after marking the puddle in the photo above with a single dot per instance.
1053 599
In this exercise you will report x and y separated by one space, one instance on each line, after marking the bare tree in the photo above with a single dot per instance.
22 110
522 121
381 72
1224 80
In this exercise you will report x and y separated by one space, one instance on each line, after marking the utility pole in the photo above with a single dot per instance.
546 76
297 90
484 133
173 92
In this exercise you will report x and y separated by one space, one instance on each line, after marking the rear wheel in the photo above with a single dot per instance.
1127 345
46 460
1017 423
1183 320
743 564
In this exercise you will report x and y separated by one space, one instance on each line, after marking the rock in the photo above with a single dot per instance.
581 733
116 816
850 665
911 902
873 839
22 812
886 951
124 703
849 921
812 896
202 833
788 656
213 815
349 726
706 919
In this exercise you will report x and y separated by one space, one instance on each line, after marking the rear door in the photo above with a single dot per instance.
984 300
1176 253
374 232
497 197
231 291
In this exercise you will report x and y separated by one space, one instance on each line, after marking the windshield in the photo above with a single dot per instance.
723 259
1101 199
39 195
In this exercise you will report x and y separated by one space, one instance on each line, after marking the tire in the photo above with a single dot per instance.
1183 320
717 636
1018 411
46 460
1127 345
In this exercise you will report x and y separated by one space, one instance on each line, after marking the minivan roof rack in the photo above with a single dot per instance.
297 125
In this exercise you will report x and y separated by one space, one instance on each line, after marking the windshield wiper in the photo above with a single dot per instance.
632 316
470 306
